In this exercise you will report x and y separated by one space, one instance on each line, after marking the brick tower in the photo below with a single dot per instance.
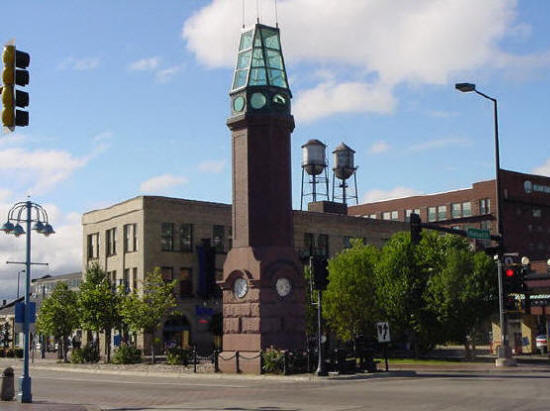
263 283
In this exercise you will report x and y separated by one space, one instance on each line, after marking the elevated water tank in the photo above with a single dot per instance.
313 157
343 162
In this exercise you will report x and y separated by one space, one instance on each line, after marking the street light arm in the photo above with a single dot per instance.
486 96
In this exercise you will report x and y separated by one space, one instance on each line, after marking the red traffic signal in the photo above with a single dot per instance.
509 272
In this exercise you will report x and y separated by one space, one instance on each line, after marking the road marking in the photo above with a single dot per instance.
139 382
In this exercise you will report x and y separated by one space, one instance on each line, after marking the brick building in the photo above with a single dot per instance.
525 207
133 237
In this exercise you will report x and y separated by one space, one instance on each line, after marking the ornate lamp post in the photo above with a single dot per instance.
26 212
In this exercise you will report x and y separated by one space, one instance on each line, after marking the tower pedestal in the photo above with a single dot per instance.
262 318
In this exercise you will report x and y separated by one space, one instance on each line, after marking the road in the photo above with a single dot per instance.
428 391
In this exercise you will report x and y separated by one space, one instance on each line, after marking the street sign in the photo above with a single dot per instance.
20 312
383 332
478 234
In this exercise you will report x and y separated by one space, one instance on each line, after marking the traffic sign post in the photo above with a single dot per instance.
383 334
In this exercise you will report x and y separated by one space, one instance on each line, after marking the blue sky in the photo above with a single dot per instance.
130 98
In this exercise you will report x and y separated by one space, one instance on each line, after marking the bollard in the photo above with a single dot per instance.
237 365
216 361
285 363
195 359
7 391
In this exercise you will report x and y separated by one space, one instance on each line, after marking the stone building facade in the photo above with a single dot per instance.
133 237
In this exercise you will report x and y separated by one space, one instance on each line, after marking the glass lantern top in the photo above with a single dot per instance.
260 61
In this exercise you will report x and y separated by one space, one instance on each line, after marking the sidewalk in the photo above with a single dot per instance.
14 405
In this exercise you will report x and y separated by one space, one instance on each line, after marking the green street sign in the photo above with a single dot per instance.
478 234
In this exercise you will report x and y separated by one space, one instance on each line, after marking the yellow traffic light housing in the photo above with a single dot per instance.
14 74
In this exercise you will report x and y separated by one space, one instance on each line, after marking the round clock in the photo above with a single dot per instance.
283 287
240 287
238 103
257 100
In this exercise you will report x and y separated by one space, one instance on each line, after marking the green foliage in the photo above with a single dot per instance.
178 356
311 309
59 312
5 335
84 355
272 361
146 310
127 354
349 303
98 301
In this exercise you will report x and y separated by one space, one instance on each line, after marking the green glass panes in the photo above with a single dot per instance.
258 58
240 79
244 59
257 77
277 78
274 59
271 39
246 40
257 40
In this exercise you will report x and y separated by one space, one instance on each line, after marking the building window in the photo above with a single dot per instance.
432 216
110 242
466 209
167 237
394 215
456 210
442 212
186 237
167 273
347 241
126 279
186 282
322 245
230 236
93 246
134 279
218 238
537 212
485 206
111 275
372 216
308 244
130 238
386 215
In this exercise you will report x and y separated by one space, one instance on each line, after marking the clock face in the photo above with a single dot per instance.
257 100
240 287
238 103
283 287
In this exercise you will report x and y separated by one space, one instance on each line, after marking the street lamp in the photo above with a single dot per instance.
27 212
504 354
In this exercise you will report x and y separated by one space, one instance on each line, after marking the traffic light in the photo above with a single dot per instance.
14 74
416 228
512 280
319 272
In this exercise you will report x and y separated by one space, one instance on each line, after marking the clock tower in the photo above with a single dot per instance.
263 282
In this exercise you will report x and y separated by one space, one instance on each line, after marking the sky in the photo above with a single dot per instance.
130 98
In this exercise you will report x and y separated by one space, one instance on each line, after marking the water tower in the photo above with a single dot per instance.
343 169
314 163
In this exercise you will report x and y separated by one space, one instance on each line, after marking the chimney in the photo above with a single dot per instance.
3 302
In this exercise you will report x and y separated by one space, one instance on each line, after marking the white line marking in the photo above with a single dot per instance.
139 382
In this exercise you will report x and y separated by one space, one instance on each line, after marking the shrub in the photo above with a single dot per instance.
273 361
178 356
77 356
19 352
10 353
127 354
2 353
89 354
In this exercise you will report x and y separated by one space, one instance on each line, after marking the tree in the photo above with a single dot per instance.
349 303
144 311
463 292
5 334
402 276
59 315
99 304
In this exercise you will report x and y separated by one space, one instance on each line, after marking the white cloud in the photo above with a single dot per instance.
162 183
79 64
62 250
441 143
392 42
380 195
543 169
330 98
146 64
165 75
212 166
379 147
